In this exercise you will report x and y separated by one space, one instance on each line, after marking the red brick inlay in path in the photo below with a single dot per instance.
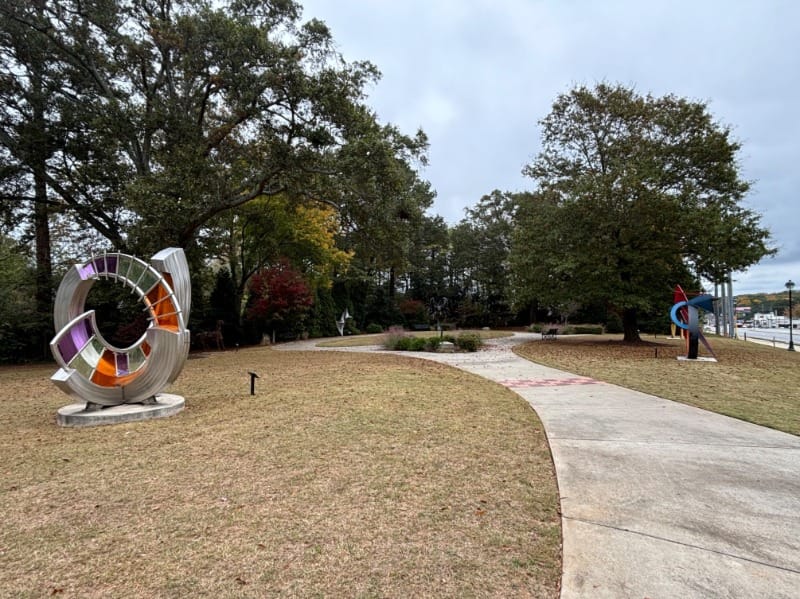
578 380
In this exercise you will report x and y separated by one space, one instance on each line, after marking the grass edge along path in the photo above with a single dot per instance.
345 475
751 382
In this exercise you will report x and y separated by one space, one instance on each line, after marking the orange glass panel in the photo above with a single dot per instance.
105 373
163 307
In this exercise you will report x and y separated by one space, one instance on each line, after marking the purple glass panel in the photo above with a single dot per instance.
87 271
66 347
80 333
122 364
100 265
111 264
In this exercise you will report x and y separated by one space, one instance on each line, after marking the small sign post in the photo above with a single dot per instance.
253 377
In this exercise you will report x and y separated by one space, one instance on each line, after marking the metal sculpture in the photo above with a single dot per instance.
684 315
342 321
437 307
96 372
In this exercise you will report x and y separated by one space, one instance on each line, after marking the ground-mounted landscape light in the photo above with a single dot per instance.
253 377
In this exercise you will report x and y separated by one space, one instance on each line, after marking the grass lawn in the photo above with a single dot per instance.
753 382
345 475
377 338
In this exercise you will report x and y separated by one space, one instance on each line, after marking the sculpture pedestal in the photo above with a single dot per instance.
75 415
698 359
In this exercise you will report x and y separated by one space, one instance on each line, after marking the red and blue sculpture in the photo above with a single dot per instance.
685 315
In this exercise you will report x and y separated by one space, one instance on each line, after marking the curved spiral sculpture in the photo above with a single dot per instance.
684 315
93 370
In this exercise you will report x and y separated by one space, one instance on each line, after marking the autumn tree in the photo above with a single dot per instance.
268 229
279 299
633 194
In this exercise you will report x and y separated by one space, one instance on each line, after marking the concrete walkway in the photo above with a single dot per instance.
658 499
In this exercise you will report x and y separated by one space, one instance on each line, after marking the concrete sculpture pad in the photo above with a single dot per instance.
76 415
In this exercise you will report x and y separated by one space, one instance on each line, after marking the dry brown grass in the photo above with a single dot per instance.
751 382
346 475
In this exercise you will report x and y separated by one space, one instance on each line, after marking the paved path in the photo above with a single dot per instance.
658 499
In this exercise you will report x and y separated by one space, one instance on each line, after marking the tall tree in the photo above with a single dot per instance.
28 140
194 108
381 197
483 247
147 120
634 194
428 260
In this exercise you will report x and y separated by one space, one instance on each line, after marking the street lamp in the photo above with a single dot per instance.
790 286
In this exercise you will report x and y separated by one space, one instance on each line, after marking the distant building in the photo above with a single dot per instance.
769 321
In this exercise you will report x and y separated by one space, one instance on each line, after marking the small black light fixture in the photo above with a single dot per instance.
790 286
253 377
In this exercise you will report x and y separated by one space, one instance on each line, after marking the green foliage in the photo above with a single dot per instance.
469 342
535 328
407 343
394 336
397 339
614 324
634 194
20 326
480 259
168 114
224 306
373 328
587 329
323 316
432 344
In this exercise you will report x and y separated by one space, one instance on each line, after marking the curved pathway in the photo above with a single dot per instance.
658 499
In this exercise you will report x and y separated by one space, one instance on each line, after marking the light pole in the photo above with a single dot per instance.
790 286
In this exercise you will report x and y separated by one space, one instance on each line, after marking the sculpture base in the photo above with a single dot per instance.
698 359
76 415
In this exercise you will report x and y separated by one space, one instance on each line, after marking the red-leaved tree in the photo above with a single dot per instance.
279 297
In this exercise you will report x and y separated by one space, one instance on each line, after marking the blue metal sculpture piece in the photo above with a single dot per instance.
93 370
685 315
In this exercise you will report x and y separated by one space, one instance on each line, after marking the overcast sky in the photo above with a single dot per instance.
478 75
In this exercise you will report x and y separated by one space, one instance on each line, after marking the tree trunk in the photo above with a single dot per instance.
630 325
392 282
41 214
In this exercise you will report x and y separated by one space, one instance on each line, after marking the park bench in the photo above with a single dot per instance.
549 333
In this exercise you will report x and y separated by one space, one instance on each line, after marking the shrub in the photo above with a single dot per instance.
535 328
587 329
469 342
404 344
432 343
394 337
373 328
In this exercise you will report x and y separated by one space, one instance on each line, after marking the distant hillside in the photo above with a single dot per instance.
767 302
